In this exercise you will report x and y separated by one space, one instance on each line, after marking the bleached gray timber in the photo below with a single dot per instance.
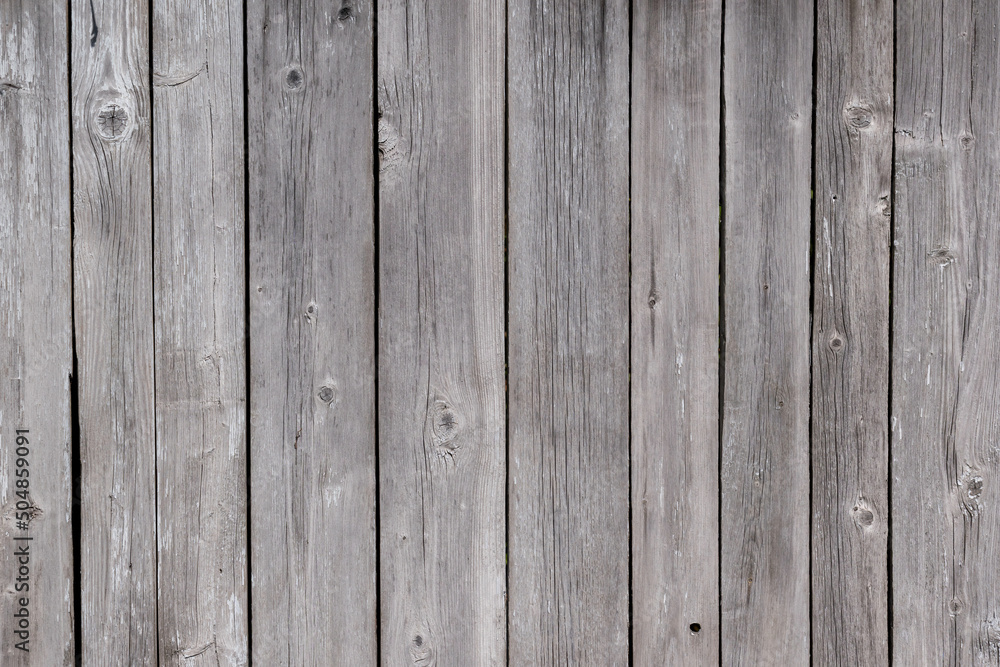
568 317
850 353
946 315
312 337
441 332
36 344
765 439
199 294
113 252
676 70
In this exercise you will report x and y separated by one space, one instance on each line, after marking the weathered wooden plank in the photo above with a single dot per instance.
441 346
35 336
312 312
850 377
946 429
568 332
112 248
200 358
765 446
676 71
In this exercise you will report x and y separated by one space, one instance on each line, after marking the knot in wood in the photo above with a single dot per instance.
327 393
863 516
859 117
942 255
346 13
445 425
836 342
955 606
294 78
112 121
967 141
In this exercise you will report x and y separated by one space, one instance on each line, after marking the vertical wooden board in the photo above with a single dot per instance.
676 70
569 332
946 429
199 283
850 377
765 446
441 346
35 335
312 337
112 249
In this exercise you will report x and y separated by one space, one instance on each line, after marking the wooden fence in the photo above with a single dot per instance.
526 332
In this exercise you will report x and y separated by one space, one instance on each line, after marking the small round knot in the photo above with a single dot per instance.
967 141
955 606
112 121
863 516
345 13
294 78
327 394
653 298
836 343
859 117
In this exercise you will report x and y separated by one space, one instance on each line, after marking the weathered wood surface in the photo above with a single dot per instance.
113 292
36 344
765 431
945 430
676 69
199 282
441 326
850 347
312 311
568 329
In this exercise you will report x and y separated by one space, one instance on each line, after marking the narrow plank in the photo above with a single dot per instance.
200 358
765 445
569 332
946 401
441 346
676 115
850 347
312 335
35 336
112 249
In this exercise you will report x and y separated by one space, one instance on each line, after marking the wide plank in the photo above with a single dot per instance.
312 335
113 293
765 434
946 314
199 284
676 118
568 316
36 346
441 326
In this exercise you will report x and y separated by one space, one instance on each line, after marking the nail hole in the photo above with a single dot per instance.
695 627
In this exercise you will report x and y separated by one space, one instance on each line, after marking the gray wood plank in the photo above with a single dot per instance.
676 71
112 248
850 376
568 332
312 368
945 425
441 345
35 335
200 358
765 445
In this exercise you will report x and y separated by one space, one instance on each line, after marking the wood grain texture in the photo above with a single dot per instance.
568 332
199 294
312 336
35 331
765 446
441 346
112 248
676 70
850 375
946 429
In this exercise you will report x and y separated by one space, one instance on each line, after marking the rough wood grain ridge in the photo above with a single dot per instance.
568 332
312 390
199 282
850 375
35 331
441 350
112 247
946 314
765 439
676 67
